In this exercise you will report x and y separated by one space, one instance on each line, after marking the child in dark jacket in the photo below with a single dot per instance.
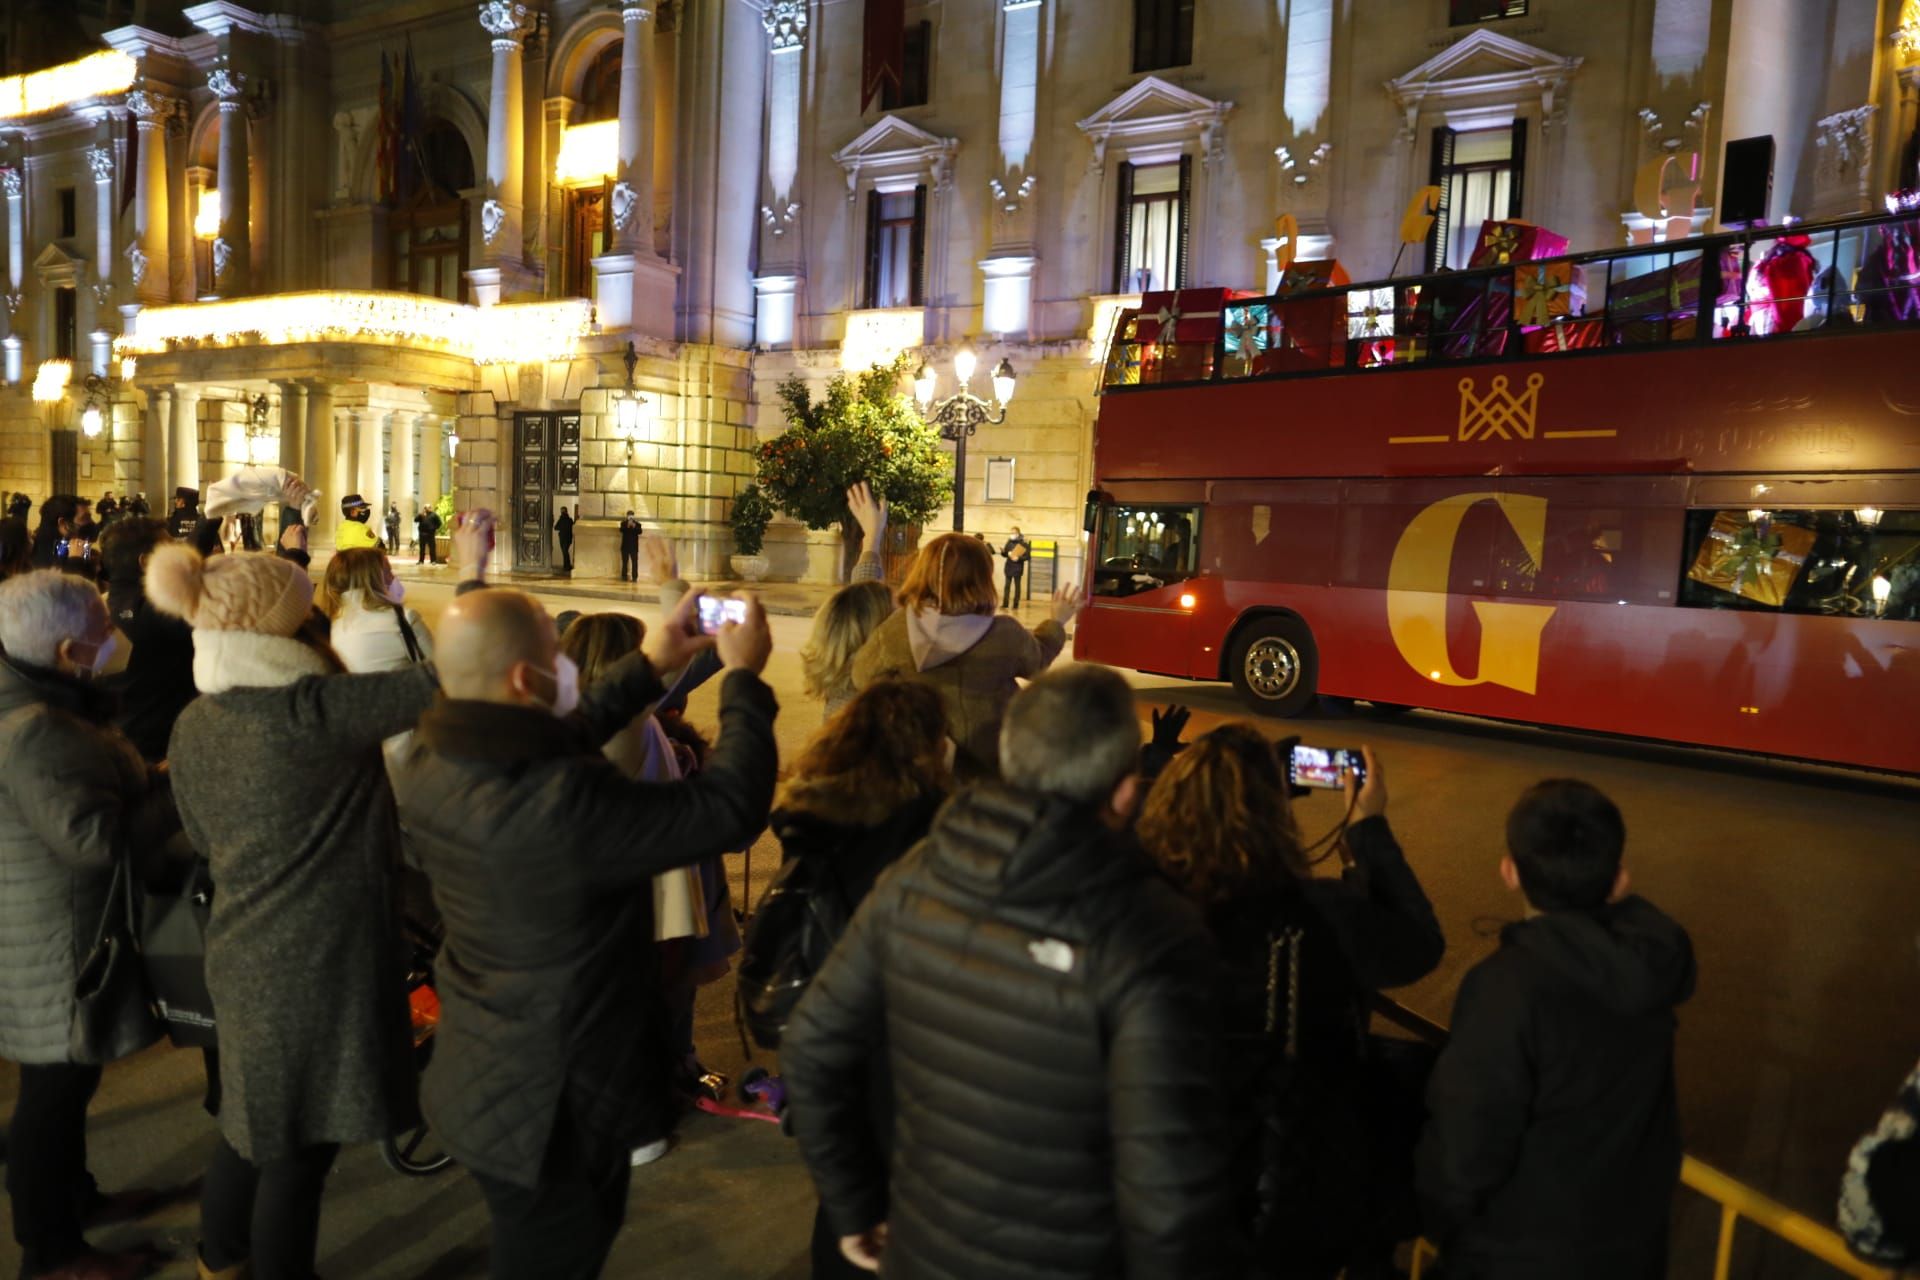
1553 1143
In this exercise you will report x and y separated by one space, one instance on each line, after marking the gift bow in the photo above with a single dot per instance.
1169 316
1540 297
1503 242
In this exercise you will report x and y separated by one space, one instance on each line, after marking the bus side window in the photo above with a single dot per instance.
1144 548
1842 563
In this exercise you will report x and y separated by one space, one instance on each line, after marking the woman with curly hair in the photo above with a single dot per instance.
1327 1176
862 794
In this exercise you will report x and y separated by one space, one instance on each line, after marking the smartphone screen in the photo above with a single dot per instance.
1322 766
715 612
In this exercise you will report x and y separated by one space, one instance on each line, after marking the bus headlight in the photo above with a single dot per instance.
1187 600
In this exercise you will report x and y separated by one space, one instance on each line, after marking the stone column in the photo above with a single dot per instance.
13 182
293 427
633 193
1007 270
149 259
233 247
184 442
502 211
153 450
368 456
401 466
100 162
777 286
322 458
433 453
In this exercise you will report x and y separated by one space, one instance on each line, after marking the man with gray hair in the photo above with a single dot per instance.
75 799
1046 1005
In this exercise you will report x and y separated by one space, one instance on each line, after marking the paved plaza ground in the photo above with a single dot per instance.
1797 885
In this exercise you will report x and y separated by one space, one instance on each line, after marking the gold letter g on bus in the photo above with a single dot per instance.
1417 583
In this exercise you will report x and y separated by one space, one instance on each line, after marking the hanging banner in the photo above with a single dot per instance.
883 55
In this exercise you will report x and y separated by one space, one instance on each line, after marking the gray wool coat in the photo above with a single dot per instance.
74 797
284 791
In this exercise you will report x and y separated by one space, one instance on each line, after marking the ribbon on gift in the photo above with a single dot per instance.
1170 315
1247 331
1502 243
1539 296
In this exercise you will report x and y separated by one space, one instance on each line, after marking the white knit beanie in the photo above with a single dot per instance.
242 591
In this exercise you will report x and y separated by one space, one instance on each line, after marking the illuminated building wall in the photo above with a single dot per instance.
701 177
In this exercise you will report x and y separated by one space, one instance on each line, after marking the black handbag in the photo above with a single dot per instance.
173 943
112 1009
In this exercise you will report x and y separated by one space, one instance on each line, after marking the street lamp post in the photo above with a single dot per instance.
961 414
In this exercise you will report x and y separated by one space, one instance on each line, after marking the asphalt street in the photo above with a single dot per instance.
1798 885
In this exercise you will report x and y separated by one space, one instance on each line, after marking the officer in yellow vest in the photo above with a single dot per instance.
355 534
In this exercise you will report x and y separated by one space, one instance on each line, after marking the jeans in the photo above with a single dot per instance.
47 1179
630 564
268 1213
564 1228
566 555
1010 597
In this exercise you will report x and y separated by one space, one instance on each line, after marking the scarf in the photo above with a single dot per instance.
225 660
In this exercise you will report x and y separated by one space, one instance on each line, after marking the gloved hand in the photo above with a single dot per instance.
1165 742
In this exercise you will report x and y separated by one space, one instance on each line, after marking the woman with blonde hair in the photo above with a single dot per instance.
372 628
1326 1178
945 634
840 627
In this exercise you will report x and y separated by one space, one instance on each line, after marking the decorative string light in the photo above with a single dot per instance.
97 75
50 381
515 334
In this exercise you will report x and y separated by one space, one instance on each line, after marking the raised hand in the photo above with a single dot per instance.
661 562
1067 603
676 642
869 512
746 645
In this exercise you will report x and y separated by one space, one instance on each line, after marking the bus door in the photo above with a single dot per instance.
1140 609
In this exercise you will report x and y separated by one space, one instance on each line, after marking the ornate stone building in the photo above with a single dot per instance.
350 234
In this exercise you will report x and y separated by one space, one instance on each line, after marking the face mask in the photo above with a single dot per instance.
566 687
103 661
397 591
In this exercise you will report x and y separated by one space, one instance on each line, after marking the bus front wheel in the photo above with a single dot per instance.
1275 667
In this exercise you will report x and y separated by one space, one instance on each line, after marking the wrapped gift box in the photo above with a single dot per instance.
1756 561
1466 317
1659 305
1310 274
1505 240
1566 335
1185 315
1545 291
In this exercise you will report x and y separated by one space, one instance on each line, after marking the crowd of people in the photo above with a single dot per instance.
1069 1000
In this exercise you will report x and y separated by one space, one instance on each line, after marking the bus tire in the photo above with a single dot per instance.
1274 666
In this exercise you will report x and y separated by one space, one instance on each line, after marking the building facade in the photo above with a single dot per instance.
402 248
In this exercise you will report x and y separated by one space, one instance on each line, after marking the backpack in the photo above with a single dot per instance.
799 918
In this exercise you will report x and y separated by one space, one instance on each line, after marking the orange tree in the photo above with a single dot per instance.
863 428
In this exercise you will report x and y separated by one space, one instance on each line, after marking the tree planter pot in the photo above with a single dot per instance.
749 568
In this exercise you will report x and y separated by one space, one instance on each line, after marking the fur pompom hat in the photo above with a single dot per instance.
244 591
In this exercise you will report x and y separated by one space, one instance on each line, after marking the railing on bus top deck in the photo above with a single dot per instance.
1760 283
1736 1199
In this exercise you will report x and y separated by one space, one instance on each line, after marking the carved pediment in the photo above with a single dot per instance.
1156 110
1484 66
893 147
58 268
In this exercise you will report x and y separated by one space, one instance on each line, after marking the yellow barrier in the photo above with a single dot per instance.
1737 1200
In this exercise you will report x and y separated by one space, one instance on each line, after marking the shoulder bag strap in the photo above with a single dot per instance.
406 633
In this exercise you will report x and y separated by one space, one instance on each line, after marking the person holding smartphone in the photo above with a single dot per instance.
1326 1177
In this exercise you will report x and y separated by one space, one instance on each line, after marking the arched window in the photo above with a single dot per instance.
600 87
449 163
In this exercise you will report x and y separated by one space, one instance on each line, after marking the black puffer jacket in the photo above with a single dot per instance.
1047 1005
158 682
542 855
1553 1145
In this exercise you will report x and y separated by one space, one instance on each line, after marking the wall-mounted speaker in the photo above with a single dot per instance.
1746 182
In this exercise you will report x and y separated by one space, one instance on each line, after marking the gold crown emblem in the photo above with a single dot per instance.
1500 413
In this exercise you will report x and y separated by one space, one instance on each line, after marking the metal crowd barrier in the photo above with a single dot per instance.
1736 1199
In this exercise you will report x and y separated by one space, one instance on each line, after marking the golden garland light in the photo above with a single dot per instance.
97 75
519 333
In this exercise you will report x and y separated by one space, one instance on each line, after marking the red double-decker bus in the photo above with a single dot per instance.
1665 502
